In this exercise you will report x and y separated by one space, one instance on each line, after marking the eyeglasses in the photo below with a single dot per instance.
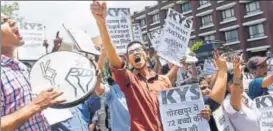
137 50
204 87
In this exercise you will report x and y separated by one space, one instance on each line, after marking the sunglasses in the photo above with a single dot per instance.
137 50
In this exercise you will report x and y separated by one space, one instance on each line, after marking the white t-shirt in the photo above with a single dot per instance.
247 119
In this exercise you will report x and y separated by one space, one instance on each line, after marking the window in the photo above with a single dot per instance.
155 18
252 7
227 14
203 2
209 37
256 31
186 7
206 20
142 22
231 36
145 37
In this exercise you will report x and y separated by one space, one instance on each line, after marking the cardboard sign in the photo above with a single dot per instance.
174 42
180 109
82 40
137 32
33 36
222 120
265 105
119 27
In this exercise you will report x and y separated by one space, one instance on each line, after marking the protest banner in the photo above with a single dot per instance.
222 120
155 37
174 42
208 67
180 109
33 36
183 76
137 32
82 40
247 78
119 25
265 105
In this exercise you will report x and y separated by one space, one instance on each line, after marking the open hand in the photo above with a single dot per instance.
220 60
206 112
236 66
46 98
99 11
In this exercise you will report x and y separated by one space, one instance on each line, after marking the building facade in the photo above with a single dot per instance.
244 26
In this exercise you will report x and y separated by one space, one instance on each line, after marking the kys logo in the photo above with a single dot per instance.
114 12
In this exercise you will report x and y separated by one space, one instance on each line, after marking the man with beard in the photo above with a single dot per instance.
141 85
19 109
257 65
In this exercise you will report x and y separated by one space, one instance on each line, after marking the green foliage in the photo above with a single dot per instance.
196 45
11 9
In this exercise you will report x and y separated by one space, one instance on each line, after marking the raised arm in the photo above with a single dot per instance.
99 12
14 120
235 88
219 89
172 73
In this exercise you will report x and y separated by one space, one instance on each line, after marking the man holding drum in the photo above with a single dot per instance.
19 109
141 85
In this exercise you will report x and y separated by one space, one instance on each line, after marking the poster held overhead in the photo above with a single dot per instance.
33 35
174 42
82 40
137 33
118 21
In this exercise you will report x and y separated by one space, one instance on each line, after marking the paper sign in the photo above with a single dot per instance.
180 109
247 78
208 67
119 27
174 42
137 32
33 36
222 120
55 116
265 105
82 40
183 76
155 37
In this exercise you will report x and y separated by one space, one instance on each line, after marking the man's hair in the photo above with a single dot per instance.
132 43
201 79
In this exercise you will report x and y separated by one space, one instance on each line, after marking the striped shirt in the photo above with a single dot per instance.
16 93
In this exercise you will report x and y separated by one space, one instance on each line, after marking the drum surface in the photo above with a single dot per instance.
67 72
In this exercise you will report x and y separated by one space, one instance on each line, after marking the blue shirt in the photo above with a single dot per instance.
79 121
119 114
255 88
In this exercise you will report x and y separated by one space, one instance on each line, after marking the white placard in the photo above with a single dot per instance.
50 115
137 32
174 42
180 108
247 78
119 27
270 71
33 36
265 105
162 61
155 37
81 39
183 76
222 120
208 68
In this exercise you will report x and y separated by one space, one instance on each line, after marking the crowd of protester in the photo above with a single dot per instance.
125 97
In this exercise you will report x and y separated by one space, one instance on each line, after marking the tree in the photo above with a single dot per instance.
11 9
